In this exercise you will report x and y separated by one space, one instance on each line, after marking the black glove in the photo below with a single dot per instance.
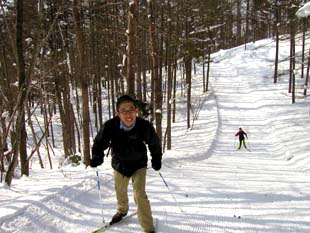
96 160
156 164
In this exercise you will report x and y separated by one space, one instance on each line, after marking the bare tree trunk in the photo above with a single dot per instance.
145 65
175 66
276 61
139 57
20 143
292 67
247 23
112 81
188 73
208 68
99 99
3 147
65 112
83 81
94 57
131 53
307 75
170 60
304 29
292 52
203 74
169 104
155 65
239 22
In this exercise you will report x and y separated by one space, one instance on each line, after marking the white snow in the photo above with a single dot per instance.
211 187
304 11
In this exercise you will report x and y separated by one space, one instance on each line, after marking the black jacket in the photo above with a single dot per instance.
128 149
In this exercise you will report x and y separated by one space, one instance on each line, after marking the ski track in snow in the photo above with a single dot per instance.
211 187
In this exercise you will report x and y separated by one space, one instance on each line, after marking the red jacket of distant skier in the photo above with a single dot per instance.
241 134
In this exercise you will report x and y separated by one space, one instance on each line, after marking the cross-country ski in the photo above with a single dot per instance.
110 224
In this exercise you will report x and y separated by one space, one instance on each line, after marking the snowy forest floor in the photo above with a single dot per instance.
211 187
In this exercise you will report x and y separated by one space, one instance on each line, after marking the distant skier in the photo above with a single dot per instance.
241 135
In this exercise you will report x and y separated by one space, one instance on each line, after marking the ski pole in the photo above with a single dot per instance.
170 191
248 144
99 191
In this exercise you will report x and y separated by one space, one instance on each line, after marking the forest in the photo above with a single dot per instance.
71 59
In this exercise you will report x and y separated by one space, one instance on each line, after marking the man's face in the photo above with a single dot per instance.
127 113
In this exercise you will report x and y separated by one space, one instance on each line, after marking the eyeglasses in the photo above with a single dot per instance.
127 111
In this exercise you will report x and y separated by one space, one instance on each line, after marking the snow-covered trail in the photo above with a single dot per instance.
241 191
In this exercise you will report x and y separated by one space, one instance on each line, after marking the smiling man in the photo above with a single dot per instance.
128 136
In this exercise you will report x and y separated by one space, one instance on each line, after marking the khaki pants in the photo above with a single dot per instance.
142 202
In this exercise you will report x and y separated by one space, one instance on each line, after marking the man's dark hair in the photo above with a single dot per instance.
125 99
